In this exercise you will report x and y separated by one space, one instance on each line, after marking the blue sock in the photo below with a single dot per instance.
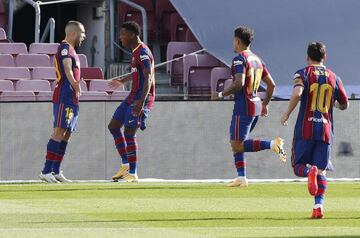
131 149
240 164
51 155
256 145
56 164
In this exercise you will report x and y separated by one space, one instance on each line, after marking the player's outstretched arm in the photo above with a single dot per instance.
270 88
67 62
115 83
295 98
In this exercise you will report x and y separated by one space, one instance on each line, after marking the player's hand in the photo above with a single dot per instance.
77 90
337 104
264 110
214 96
284 119
138 106
115 83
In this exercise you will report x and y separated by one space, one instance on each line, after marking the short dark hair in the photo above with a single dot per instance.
316 51
245 34
132 26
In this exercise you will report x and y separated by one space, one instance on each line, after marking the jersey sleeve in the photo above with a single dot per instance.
238 65
298 79
144 59
265 70
341 95
65 51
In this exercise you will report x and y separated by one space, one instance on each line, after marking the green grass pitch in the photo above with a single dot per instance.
175 210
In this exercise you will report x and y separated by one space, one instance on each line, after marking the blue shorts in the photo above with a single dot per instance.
65 116
241 126
123 114
311 152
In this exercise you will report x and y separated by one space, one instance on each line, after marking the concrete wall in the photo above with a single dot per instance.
95 34
184 140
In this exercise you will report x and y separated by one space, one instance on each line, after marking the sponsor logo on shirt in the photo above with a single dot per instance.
314 119
238 62
144 57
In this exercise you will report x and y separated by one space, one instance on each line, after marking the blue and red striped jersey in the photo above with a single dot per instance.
322 88
64 92
246 100
142 58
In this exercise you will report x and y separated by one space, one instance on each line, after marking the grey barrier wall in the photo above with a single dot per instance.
184 140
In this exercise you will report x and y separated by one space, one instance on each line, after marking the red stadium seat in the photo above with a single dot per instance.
14 73
90 73
43 48
177 28
164 9
13 48
32 60
83 61
128 13
197 73
6 60
14 96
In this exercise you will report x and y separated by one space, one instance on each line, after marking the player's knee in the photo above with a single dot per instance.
237 146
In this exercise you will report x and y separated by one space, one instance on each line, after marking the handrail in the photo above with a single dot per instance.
50 27
112 24
144 18
36 6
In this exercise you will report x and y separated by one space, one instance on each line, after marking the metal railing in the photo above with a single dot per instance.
50 27
112 24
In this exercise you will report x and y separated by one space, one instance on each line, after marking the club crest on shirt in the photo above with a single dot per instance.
64 52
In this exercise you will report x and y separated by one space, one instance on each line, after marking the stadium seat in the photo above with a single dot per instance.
43 48
9 96
6 85
119 95
47 73
33 85
218 77
13 48
189 36
3 37
177 28
32 60
174 50
6 60
102 85
353 91
83 61
164 9
128 13
90 73
14 73
197 73
94 96
83 86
